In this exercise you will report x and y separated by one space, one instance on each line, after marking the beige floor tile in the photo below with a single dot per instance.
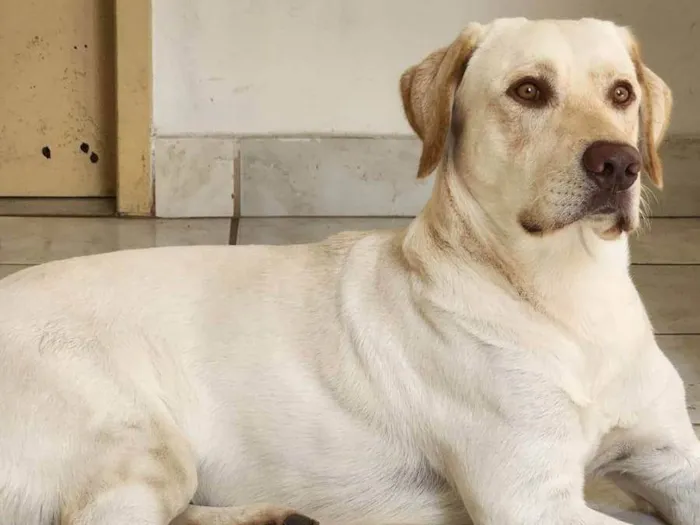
61 207
7 269
672 297
33 240
681 158
601 491
296 230
668 241
191 232
684 353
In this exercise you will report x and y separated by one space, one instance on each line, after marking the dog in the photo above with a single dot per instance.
476 366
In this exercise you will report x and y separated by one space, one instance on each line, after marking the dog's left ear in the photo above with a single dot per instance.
655 114
428 91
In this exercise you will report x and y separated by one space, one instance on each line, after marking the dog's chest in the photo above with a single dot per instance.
592 341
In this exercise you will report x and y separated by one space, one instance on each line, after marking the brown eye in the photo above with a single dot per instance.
621 95
531 92
528 91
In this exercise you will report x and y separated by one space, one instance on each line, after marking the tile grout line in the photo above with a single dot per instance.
233 231
237 185
668 264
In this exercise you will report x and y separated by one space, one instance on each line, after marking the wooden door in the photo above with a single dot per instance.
57 98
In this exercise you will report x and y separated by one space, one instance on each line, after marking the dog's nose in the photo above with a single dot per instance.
611 165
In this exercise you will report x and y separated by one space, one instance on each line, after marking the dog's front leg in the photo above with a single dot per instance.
518 456
523 483
659 457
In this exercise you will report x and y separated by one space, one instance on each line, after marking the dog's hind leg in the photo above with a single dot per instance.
141 473
246 515
144 473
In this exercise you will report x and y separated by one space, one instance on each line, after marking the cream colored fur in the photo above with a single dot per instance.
463 370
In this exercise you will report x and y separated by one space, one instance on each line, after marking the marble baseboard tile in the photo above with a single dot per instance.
331 177
337 176
194 177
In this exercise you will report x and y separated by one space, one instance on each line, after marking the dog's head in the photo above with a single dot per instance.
548 123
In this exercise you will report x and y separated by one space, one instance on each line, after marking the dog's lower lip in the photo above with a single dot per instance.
607 209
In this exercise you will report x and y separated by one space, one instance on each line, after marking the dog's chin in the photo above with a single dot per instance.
610 227
607 222
617 215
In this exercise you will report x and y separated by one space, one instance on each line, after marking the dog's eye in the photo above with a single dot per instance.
530 92
621 94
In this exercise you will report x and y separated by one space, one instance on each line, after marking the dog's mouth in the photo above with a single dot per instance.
607 203
610 214
613 213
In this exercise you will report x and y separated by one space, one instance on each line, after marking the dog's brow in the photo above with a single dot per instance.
540 69
609 74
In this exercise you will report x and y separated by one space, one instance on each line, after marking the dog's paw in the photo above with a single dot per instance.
278 516
299 519
247 515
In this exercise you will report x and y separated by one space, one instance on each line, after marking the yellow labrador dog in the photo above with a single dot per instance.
472 368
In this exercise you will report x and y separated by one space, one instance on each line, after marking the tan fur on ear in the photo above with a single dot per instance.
428 91
655 114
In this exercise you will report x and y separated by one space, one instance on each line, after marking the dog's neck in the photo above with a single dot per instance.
455 232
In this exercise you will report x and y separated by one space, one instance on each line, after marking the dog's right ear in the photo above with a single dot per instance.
428 92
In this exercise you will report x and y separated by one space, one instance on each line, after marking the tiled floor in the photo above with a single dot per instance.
666 260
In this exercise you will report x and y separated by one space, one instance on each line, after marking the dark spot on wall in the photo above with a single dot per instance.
94 158
85 46
46 152
75 47
85 147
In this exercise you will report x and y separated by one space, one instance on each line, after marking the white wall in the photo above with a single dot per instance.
332 66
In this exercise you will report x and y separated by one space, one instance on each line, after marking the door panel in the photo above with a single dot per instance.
57 101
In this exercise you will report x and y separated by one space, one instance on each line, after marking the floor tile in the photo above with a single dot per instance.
672 297
668 241
62 207
684 353
601 491
233 232
299 230
194 176
7 269
33 240
184 232
357 177
681 160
